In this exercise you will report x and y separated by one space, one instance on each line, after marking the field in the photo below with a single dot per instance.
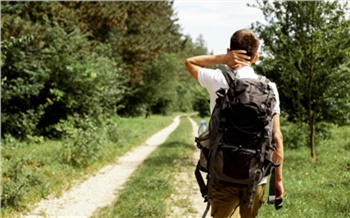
312 188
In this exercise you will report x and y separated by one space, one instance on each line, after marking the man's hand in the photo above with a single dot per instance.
279 189
233 59
237 58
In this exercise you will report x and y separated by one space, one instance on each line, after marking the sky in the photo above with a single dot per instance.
216 20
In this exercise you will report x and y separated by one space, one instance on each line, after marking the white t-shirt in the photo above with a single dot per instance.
213 80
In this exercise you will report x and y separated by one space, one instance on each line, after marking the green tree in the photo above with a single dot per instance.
306 52
49 74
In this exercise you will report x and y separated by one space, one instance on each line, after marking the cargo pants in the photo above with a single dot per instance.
229 201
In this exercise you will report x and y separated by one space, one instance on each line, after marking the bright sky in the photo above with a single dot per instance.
216 20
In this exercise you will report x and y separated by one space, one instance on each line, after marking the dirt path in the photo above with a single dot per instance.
100 189
187 201
197 199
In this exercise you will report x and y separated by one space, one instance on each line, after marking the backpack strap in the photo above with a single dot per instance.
263 79
230 76
272 188
203 188
212 153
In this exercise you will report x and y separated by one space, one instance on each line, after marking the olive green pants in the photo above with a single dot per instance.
231 201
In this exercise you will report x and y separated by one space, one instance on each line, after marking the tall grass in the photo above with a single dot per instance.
151 184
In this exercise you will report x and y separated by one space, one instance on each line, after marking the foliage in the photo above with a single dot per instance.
306 52
18 176
67 69
49 75
158 89
201 104
81 146
294 134
60 59
152 31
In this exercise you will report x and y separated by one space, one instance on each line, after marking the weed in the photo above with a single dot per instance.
17 179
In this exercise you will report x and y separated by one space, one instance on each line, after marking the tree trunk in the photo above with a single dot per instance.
312 134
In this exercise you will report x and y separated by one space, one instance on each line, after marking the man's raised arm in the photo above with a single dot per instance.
233 59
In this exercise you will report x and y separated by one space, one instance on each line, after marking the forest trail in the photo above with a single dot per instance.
197 199
100 189
186 188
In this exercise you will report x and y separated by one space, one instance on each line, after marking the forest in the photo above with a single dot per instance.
70 61
72 70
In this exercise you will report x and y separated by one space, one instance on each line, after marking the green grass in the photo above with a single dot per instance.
42 171
320 189
151 184
132 132
315 189
312 189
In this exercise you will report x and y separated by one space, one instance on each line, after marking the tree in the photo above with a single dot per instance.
306 52
49 74
149 31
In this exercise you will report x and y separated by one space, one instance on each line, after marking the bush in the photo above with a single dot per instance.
18 176
295 135
81 145
49 74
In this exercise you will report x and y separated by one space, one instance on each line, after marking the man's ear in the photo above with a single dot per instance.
254 59
228 50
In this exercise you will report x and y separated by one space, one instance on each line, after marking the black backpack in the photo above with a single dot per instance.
237 147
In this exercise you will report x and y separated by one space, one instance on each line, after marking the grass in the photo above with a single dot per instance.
145 193
312 189
43 172
318 189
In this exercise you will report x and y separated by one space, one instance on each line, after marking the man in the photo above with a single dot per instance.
230 201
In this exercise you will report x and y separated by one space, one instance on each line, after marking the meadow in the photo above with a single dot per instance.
317 189
313 188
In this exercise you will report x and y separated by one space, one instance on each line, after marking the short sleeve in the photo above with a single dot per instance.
277 109
212 80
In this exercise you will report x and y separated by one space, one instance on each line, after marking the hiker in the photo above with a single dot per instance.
230 200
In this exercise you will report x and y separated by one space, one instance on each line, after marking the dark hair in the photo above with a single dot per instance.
245 39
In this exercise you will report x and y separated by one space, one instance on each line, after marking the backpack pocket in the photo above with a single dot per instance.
238 163
203 143
239 137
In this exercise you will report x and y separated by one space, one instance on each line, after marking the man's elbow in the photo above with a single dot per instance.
192 69
187 63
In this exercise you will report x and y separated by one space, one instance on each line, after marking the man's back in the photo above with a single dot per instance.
213 80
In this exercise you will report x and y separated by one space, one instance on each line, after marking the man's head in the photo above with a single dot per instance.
245 39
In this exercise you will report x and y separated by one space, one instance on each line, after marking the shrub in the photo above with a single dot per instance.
82 145
18 176
295 135
49 74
